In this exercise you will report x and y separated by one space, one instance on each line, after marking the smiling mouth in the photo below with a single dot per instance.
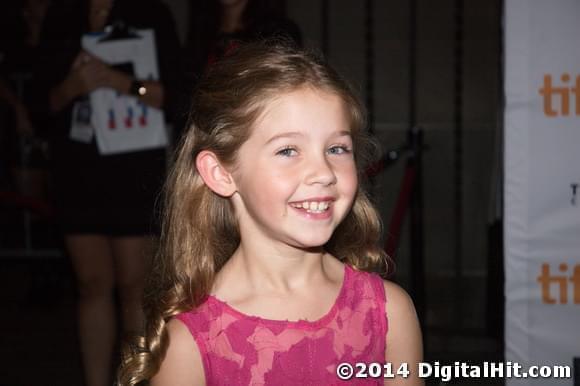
312 206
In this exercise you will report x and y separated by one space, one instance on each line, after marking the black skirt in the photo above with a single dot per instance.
114 195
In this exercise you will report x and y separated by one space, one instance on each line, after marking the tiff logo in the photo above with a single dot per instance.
546 280
560 94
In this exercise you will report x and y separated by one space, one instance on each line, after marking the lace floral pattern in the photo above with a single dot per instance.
239 349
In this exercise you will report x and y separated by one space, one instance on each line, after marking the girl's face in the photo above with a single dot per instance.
296 177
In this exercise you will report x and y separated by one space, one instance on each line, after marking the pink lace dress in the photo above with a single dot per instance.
239 349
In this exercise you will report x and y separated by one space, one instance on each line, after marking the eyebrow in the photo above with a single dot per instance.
293 134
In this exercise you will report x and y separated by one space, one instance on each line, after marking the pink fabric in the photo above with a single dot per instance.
239 349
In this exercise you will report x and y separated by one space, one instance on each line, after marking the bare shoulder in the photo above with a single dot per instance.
399 303
401 314
182 365
404 340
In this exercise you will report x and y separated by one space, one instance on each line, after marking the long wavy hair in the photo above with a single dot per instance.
200 231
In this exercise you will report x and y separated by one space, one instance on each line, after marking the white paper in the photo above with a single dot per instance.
81 129
121 122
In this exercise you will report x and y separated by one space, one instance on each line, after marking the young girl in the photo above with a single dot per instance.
263 275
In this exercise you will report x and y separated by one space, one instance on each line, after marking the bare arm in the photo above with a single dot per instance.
88 73
182 365
23 124
6 94
404 341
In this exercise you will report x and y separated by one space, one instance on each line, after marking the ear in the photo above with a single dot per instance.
214 174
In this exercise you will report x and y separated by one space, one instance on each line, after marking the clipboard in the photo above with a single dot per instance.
122 123
119 30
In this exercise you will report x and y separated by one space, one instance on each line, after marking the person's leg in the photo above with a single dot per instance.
132 258
93 264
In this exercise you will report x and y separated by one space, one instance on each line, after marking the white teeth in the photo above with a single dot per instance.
312 206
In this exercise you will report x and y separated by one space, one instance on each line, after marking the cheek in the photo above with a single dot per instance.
272 189
352 187
349 180
280 185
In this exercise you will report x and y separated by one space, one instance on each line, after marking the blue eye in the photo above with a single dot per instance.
287 152
339 149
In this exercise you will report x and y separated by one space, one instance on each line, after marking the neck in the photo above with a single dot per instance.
277 271
33 15
231 17
98 13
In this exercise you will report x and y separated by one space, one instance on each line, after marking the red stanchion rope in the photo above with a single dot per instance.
394 231
32 204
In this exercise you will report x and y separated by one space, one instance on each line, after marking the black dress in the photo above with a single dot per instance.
114 195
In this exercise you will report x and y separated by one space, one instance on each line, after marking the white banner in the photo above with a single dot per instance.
542 185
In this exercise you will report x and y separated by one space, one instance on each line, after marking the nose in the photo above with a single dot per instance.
320 171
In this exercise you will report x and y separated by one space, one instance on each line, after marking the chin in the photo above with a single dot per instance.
313 243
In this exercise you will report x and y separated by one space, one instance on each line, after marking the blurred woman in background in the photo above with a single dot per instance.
105 203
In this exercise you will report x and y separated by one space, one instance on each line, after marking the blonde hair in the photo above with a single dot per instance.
199 230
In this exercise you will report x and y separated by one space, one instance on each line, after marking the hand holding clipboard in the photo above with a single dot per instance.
123 123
